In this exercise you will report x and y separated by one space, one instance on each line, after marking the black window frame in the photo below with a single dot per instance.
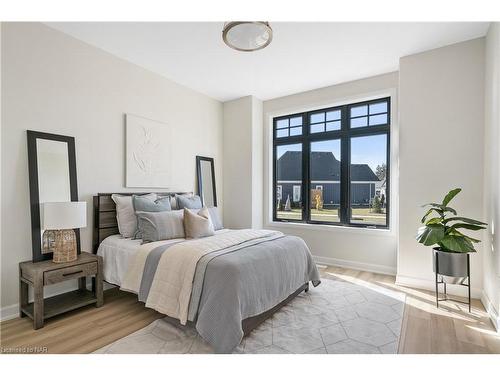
345 134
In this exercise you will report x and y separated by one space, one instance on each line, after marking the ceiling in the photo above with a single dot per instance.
301 57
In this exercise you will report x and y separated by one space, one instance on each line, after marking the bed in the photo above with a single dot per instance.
225 285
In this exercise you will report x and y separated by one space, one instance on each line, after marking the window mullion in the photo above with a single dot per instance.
274 173
388 179
344 170
305 171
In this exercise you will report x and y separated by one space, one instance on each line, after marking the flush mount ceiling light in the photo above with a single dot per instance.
247 36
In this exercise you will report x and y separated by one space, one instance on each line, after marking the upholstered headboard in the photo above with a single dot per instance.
105 223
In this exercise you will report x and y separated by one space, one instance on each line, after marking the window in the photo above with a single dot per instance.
331 166
368 158
324 121
324 168
289 127
289 173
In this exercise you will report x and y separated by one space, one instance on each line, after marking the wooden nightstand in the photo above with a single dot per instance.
47 273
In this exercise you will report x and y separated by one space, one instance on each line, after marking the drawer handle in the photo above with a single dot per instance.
72 273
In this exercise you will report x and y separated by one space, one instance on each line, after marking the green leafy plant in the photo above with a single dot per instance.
376 205
441 227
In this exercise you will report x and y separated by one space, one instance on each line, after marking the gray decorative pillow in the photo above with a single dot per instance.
144 204
159 226
215 217
173 200
198 225
125 215
184 201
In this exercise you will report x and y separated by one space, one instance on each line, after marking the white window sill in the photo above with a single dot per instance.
331 228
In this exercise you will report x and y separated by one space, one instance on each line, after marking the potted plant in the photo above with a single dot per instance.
443 230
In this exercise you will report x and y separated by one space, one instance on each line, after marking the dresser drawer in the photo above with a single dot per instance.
69 273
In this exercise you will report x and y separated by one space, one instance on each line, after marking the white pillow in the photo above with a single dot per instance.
198 225
125 214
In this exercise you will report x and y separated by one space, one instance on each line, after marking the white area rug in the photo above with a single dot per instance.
336 317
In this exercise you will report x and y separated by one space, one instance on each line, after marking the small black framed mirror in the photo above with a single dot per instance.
206 181
52 178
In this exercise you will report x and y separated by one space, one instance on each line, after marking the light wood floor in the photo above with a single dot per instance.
426 329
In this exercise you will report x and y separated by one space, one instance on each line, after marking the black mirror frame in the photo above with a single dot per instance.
34 189
199 159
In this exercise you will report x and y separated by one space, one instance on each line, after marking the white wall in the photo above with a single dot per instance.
441 147
1 168
54 83
368 249
257 163
491 251
243 163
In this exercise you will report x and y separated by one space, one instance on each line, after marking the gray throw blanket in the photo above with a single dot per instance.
239 282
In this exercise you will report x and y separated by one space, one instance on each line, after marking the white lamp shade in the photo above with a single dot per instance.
64 215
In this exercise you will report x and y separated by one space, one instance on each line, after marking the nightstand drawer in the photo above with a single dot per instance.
69 273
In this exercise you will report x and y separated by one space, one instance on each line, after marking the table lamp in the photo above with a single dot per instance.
59 221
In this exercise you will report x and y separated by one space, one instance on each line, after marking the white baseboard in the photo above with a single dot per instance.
9 312
12 311
491 310
426 284
376 268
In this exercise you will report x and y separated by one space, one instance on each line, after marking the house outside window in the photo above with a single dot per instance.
332 165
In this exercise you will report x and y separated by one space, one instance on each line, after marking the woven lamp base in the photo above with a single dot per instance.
62 243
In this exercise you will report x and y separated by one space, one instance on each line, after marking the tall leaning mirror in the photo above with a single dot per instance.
52 178
206 181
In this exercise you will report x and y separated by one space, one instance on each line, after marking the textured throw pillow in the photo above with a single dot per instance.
125 215
144 204
184 201
159 226
215 217
198 225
